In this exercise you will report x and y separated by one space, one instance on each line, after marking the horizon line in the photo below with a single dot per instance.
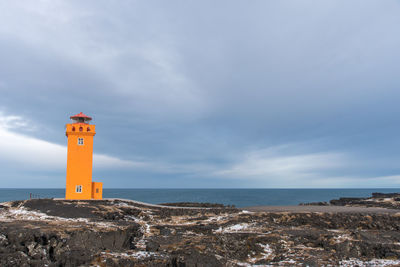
230 188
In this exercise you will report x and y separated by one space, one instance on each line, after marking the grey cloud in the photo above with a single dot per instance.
194 84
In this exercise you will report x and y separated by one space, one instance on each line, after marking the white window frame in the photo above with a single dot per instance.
78 189
80 141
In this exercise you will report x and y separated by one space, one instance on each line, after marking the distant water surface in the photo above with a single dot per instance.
237 197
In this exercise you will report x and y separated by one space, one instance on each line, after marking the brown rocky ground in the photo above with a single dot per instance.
45 232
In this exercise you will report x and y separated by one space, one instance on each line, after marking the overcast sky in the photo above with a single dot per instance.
203 94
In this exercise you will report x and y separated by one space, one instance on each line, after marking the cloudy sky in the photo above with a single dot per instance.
203 94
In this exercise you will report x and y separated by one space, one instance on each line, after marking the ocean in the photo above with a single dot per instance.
237 197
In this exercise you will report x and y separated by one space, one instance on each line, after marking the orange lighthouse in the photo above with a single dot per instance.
80 160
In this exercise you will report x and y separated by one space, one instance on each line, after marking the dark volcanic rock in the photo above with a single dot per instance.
122 233
192 257
68 208
385 195
389 200
347 200
152 246
46 245
315 204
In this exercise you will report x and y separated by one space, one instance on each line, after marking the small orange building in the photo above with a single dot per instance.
80 160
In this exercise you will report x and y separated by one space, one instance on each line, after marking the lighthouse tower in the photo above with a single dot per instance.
80 159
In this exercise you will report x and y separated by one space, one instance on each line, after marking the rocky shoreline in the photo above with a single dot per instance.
380 200
46 232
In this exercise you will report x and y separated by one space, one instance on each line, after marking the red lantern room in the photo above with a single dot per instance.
80 118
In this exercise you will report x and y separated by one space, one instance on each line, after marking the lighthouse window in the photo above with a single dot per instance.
80 141
78 189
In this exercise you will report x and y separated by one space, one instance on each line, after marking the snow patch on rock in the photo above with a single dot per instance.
129 255
233 228
371 263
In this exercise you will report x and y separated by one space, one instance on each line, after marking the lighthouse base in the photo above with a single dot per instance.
84 191
97 190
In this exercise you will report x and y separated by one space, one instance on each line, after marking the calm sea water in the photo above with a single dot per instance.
237 197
